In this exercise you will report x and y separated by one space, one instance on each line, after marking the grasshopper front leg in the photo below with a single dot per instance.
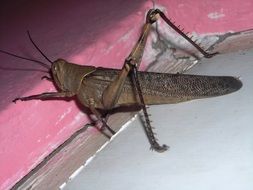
51 95
45 96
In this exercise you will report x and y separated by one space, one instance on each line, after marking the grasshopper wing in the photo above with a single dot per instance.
160 88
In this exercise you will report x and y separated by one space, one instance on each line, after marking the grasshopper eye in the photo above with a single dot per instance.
54 68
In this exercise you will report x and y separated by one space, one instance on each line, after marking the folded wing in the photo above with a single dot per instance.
162 88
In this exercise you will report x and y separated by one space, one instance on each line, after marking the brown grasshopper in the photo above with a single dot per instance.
107 89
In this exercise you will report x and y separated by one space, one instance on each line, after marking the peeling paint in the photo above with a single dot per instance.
64 115
76 119
216 15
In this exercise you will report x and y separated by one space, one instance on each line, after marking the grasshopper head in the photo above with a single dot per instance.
68 76
58 72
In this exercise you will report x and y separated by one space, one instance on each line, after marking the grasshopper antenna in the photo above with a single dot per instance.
28 33
19 69
28 59
153 2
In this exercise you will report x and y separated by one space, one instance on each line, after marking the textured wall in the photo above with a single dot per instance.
99 33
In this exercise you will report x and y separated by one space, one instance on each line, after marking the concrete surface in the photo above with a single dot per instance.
211 142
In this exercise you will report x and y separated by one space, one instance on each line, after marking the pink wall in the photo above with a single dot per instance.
216 16
90 33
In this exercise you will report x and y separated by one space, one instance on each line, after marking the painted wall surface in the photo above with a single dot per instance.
99 33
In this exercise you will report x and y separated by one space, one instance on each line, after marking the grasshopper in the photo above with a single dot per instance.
105 89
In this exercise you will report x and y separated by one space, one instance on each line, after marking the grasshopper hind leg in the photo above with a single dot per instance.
147 126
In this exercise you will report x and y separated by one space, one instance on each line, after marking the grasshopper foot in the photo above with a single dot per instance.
16 99
209 55
100 126
20 99
46 78
101 130
97 125
159 148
